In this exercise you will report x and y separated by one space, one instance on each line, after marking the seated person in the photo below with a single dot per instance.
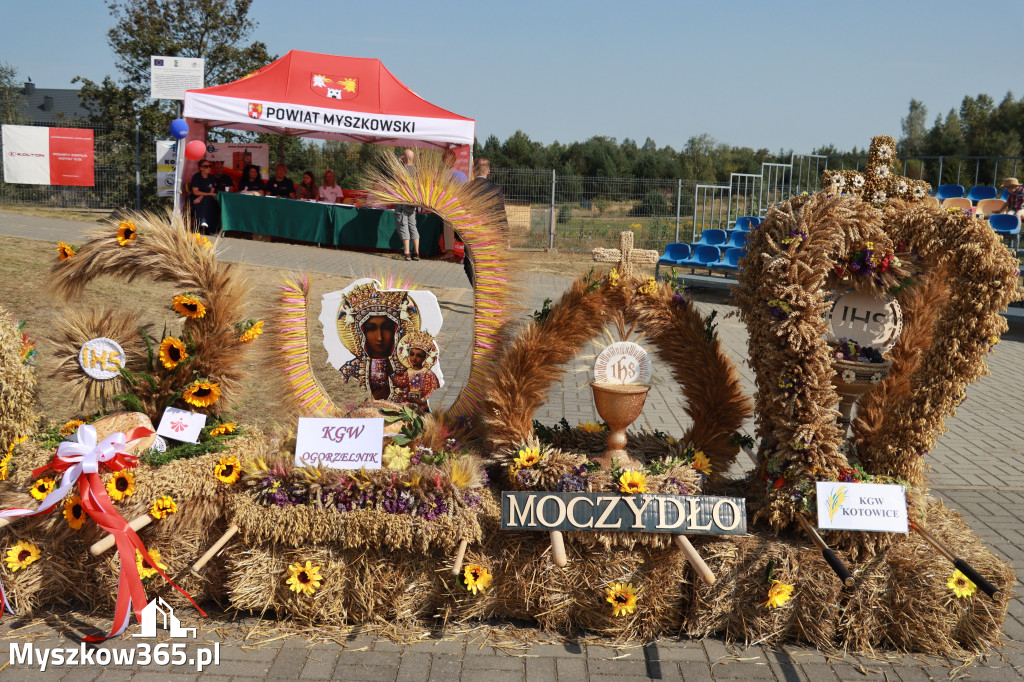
1015 198
330 191
279 185
222 179
251 182
204 196
307 191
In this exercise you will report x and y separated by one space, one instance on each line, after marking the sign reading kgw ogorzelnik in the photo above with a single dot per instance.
683 514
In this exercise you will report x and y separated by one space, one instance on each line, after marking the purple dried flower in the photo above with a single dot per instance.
679 300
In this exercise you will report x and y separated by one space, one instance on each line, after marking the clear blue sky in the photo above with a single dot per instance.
789 75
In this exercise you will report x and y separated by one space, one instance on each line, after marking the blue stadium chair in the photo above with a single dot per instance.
1006 225
712 237
1005 194
949 191
979 192
737 240
747 223
675 254
731 262
703 256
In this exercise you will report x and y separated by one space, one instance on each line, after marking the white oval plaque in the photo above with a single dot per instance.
875 322
623 362
101 358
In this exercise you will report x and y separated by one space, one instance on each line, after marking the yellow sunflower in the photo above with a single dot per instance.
163 507
613 277
65 251
42 487
224 429
121 485
701 463
74 513
397 457
304 579
188 306
477 578
145 571
590 427
632 482
527 456
622 597
778 594
172 352
250 334
126 232
228 470
201 240
21 555
961 585
202 393
70 427
5 462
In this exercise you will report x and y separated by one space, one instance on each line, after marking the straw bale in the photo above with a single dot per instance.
18 415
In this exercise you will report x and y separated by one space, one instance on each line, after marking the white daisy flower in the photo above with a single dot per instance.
838 180
858 181
902 187
849 376
919 192
876 377
885 152
882 172
878 196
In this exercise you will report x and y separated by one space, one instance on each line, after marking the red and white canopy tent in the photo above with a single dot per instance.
327 97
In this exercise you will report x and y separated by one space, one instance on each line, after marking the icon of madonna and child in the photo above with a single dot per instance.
385 340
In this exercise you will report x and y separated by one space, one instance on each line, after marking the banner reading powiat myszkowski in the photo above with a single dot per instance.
48 156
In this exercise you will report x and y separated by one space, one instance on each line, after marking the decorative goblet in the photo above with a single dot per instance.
619 405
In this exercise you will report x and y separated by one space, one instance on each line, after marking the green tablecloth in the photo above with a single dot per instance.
338 224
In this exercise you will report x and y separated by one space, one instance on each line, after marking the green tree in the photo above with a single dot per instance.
214 30
12 102
915 129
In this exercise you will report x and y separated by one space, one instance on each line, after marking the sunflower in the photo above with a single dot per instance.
202 393
304 579
397 457
778 594
5 462
121 485
250 334
172 352
188 306
961 585
527 456
477 578
622 597
65 251
701 463
228 470
21 555
201 240
224 429
42 487
145 571
70 427
163 507
74 513
632 482
591 427
126 232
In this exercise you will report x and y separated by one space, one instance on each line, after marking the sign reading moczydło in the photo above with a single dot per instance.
680 514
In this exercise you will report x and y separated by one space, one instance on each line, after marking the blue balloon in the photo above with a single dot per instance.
179 129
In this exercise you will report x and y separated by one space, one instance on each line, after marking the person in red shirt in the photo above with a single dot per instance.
1015 200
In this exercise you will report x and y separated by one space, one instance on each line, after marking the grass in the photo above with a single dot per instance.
81 215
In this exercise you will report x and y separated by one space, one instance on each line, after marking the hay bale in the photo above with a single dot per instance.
17 386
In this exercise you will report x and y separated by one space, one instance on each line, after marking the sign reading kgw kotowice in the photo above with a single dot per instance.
685 514
862 506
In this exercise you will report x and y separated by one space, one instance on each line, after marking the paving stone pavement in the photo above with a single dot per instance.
976 469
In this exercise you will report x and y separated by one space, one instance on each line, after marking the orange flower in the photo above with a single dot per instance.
188 306
202 393
65 251
126 232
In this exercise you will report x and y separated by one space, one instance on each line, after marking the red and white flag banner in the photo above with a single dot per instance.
35 155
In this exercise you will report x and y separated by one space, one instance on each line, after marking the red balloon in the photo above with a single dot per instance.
196 149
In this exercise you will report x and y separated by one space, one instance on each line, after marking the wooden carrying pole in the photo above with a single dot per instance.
558 549
459 557
212 552
705 573
136 524
965 568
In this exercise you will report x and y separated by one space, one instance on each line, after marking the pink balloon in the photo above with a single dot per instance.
195 149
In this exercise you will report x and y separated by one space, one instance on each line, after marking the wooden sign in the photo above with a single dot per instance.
875 322
340 443
623 362
101 358
688 514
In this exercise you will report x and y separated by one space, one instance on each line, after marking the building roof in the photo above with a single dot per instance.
51 105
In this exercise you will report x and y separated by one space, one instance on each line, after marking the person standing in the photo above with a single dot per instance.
330 191
405 214
449 160
280 185
204 197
